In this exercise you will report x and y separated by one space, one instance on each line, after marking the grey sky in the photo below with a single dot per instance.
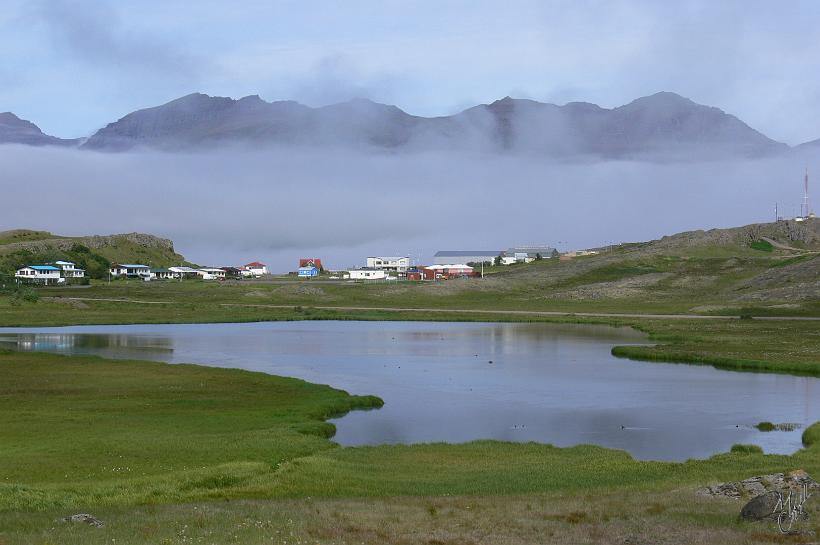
71 67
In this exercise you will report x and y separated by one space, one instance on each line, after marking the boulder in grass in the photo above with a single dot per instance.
760 507
91 520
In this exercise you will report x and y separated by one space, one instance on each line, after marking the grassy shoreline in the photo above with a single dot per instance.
132 438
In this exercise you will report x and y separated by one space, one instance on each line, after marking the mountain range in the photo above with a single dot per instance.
664 124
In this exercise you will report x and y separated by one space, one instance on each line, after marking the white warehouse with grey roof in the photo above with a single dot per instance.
449 257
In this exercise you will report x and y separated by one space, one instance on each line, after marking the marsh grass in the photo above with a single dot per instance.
811 436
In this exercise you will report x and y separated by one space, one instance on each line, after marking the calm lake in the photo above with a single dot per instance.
457 382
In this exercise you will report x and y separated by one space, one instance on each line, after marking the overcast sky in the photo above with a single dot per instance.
72 67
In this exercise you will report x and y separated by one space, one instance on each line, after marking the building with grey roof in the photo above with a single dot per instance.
452 257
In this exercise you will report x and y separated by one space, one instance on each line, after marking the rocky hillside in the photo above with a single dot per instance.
664 124
782 235
773 266
95 253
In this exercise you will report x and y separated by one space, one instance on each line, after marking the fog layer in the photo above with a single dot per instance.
232 207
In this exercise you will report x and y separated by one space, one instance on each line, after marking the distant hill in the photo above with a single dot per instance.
772 266
663 124
14 130
94 253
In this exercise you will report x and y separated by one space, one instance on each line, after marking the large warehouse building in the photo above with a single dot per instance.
463 257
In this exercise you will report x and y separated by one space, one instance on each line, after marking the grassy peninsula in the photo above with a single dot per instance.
148 447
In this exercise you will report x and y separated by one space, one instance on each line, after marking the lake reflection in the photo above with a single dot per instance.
462 381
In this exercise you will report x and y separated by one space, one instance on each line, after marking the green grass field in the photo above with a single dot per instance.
112 437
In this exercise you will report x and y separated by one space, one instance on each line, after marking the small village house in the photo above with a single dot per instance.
396 264
232 272
311 262
255 269
69 269
211 273
307 272
527 254
39 274
163 274
185 272
130 271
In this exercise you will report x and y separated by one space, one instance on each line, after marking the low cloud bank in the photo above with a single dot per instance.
231 207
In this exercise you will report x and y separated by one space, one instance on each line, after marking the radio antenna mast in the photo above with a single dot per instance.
805 209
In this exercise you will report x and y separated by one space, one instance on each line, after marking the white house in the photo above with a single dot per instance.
526 254
131 270
210 273
163 274
41 274
185 272
398 264
367 274
254 269
69 269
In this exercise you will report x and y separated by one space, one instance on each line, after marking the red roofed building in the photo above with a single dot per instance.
311 262
254 269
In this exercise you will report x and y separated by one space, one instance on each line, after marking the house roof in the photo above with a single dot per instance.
64 263
310 268
161 270
456 266
43 268
132 266
255 265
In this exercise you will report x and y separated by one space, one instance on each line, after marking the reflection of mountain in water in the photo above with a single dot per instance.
143 346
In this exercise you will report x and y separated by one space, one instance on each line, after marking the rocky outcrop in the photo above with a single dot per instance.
760 485
785 232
